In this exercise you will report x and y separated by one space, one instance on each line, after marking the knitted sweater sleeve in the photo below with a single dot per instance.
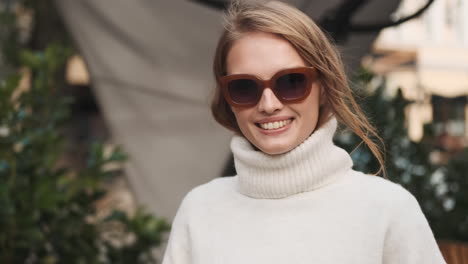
178 250
409 239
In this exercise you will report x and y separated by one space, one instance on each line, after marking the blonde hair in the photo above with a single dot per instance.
315 49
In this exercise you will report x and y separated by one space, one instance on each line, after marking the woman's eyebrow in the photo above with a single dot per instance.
278 70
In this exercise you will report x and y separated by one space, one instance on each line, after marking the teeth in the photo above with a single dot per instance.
275 125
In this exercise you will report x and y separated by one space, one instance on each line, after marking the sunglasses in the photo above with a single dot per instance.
288 85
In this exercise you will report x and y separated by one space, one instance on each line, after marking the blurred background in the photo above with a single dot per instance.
105 122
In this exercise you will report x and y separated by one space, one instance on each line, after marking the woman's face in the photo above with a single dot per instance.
264 54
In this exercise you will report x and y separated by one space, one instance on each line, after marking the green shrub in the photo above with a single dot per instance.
48 208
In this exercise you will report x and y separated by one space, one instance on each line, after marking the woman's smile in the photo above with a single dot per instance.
277 131
274 123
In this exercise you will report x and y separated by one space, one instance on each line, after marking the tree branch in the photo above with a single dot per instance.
382 25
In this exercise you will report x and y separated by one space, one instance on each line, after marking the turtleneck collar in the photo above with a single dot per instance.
314 163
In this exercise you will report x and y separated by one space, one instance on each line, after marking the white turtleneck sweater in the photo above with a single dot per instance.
304 206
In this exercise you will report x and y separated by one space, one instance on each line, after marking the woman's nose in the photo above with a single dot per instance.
269 103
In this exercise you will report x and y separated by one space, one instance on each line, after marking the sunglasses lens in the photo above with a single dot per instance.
243 91
291 86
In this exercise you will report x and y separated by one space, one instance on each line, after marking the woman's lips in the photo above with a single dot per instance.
275 131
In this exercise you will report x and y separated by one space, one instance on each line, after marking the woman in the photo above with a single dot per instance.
282 89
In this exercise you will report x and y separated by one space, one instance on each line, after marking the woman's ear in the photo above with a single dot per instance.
231 110
323 96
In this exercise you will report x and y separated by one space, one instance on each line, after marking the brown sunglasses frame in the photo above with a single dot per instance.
310 72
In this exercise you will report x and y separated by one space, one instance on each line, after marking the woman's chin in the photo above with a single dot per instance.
275 148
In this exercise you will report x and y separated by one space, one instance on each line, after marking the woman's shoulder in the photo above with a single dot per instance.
213 187
215 190
379 189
